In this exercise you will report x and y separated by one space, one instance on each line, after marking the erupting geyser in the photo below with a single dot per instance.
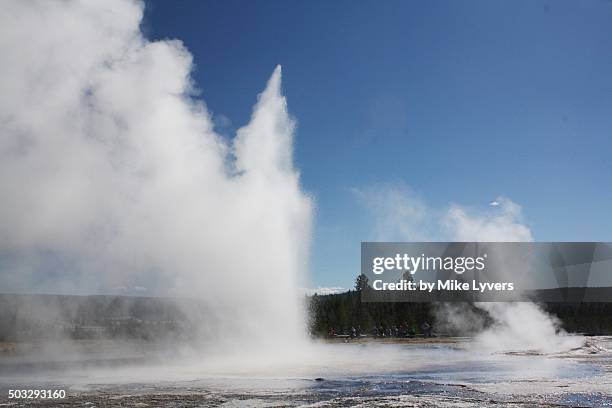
114 180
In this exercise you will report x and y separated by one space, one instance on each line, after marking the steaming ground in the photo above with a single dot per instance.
452 372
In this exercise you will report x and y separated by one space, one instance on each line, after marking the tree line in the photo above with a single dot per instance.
343 313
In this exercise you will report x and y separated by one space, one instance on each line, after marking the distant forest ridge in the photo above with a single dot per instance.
31 317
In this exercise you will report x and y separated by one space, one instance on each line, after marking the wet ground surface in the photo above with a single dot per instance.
365 394
424 376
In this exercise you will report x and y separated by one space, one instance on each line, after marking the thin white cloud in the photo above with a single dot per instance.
398 213
504 222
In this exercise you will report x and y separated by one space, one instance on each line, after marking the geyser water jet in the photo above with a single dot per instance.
112 175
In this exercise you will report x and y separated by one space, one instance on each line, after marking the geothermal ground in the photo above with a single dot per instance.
406 373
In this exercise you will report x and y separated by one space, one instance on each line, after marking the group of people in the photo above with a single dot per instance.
404 330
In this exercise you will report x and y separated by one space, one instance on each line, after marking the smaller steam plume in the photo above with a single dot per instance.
398 214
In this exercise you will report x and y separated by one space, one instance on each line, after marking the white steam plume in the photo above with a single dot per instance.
112 175
518 325
502 223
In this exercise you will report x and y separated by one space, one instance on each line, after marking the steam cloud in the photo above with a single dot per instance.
112 175
516 326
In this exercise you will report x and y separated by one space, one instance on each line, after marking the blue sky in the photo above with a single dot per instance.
460 101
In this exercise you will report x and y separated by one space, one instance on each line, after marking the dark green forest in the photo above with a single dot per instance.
338 314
